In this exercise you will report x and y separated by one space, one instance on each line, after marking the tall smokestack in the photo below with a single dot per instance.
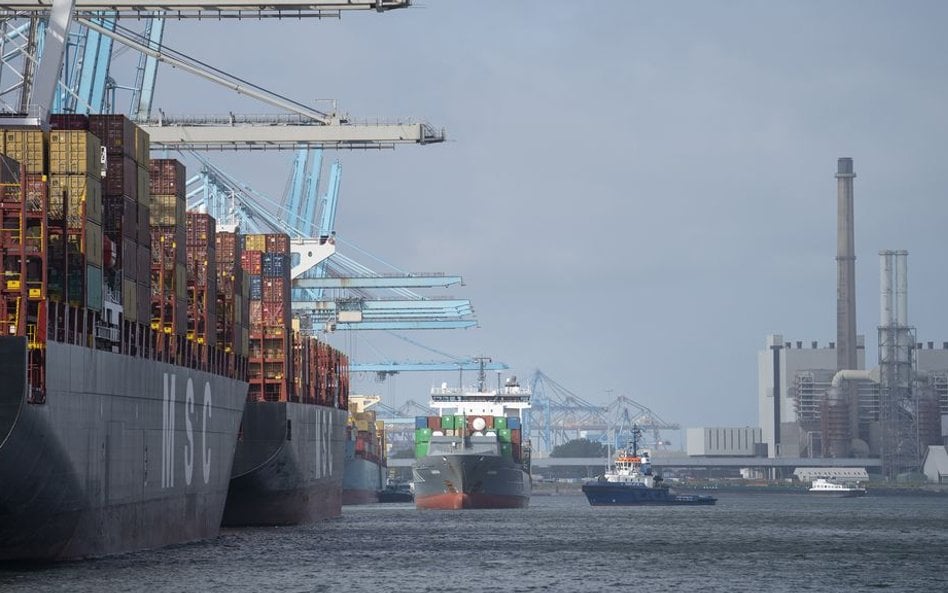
846 268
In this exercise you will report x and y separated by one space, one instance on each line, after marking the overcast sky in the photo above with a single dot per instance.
635 193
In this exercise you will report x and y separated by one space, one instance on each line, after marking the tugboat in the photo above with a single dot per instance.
631 483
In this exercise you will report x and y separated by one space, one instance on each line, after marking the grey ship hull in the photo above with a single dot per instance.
363 479
470 481
288 466
125 453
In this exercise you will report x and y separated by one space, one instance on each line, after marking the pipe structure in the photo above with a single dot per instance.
846 267
886 284
901 288
870 376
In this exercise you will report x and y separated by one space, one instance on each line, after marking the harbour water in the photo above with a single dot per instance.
747 542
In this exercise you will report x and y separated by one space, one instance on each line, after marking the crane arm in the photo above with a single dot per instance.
47 73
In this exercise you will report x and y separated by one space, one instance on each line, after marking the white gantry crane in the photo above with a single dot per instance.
34 38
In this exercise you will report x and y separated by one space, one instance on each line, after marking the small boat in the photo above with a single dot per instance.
397 492
827 487
630 482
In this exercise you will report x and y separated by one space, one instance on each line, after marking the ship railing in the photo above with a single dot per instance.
69 324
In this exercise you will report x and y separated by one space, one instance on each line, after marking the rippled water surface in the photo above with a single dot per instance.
758 542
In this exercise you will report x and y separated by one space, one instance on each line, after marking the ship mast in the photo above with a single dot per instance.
482 373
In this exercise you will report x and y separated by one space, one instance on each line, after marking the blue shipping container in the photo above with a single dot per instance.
275 265
513 422
256 288
421 422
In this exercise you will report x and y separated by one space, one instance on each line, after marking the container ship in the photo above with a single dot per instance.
117 432
366 465
472 455
123 351
288 467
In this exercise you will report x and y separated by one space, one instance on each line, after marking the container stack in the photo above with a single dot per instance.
201 273
168 269
367 432
506 429
124 199
23 251
75 219
322 372
233 295
266 261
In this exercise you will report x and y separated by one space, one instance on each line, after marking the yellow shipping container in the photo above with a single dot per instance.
80 194
144 185
92 247
180 281
74 152
362 425
28 147
142 149
130 299
255 243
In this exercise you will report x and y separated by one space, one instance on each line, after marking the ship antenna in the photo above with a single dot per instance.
636 433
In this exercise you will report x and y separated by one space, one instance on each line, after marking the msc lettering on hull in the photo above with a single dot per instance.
168 414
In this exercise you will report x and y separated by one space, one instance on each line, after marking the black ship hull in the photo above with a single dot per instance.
618 494
125 454
288 467
470 481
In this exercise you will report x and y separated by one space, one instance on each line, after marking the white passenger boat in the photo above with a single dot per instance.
823 486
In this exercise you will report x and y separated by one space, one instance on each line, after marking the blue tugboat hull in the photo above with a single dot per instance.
613 494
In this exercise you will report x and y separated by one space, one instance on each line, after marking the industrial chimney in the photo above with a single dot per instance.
846 268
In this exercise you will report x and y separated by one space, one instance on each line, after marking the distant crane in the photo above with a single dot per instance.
558 415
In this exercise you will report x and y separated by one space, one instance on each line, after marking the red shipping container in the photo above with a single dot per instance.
120 216
116 132
167 177
275 290
68 121
274 314
278 243
200 229
251 262
121 177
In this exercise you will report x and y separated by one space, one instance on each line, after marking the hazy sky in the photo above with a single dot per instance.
636 193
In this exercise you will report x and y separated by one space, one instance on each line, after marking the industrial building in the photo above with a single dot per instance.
821 402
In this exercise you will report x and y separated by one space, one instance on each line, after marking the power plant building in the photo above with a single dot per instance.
822 402
792 380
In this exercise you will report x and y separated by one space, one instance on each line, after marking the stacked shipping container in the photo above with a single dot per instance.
368 434
202 278
505 428
266 261
168 268
285 365
233 295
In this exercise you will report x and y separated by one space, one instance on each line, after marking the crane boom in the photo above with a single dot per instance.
185 8
47 75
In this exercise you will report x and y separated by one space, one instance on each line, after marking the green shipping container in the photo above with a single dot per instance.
506 449
503 435
421 449
500 422
93 288
422 435
447 423
459 421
